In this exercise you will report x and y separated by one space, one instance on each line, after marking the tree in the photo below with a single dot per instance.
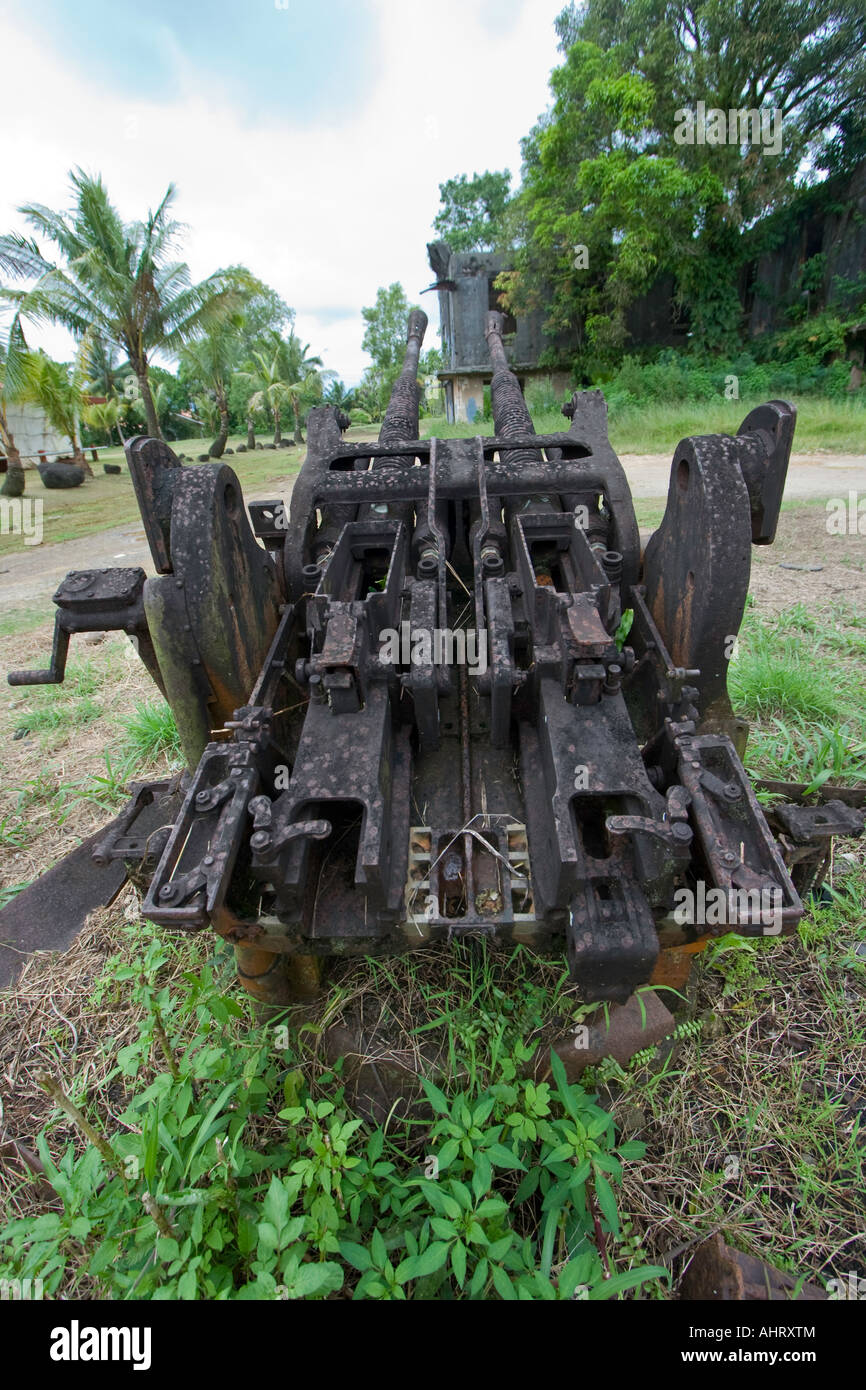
385 341
104 375
270 393
104 416
612 199
306 382
265 315
12 353
58 391
14 261
336 393
285 376
470 218
209 363
119 280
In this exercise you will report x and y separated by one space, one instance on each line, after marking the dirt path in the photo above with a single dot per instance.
36 571
819 474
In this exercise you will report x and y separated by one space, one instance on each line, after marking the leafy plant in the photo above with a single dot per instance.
229 1179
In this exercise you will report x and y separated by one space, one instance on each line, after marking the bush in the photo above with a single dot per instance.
225 1178
674 378
541 397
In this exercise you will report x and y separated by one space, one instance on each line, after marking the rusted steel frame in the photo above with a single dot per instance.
796 791
154 470
341 457
401 416
511 415
458 482
106 600
432 521
466 788
479 532
115 842
738 847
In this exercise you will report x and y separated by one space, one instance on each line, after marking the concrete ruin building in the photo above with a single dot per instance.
465 281
36 439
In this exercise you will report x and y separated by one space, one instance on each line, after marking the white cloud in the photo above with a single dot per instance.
325 216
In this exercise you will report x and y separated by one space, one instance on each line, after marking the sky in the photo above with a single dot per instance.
307 140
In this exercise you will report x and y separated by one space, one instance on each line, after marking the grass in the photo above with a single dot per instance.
838 426
150 734
27 618
61 709
801 683
104 501
749 1114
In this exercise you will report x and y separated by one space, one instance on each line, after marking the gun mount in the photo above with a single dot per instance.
448 692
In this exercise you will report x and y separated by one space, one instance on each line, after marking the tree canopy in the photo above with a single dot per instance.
472 210
614 193
118 280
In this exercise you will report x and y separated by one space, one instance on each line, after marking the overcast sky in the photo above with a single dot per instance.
307 140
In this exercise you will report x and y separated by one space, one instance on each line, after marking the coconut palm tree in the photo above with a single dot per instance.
285 375
13 351
119 280
104 416
210 362
304 386
162 406
104 375
339 395
58 391
270 389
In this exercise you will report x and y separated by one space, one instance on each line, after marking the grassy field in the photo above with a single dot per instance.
247 1159
838 426
109 500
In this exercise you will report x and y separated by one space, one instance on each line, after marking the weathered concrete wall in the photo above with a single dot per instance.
33 435
463 311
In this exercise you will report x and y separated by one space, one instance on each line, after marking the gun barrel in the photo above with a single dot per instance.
510 413
401 417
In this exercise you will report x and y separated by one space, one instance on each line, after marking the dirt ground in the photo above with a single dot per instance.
802 540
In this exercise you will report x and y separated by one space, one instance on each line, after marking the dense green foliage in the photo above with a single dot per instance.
385 342
472 210
615 196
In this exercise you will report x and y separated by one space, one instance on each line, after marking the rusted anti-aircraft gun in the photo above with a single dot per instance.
413 707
